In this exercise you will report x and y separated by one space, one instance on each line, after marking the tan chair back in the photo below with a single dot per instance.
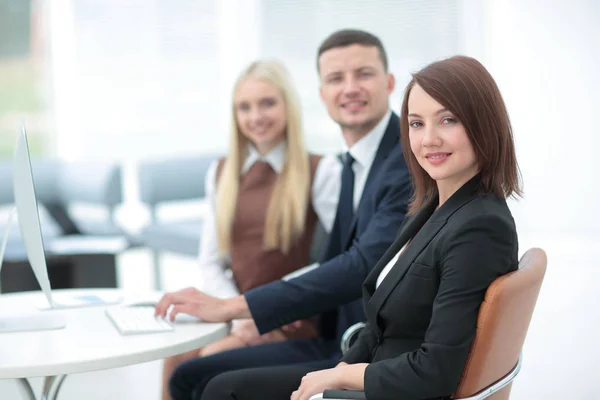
502 325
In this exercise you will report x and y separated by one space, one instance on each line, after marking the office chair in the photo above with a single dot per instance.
166 181
70 238
495 357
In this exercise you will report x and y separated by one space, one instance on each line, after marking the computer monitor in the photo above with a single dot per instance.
31 233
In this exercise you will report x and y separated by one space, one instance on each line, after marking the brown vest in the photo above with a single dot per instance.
251 265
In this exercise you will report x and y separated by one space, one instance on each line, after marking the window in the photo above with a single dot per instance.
24 76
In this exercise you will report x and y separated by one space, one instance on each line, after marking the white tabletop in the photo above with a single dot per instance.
89 341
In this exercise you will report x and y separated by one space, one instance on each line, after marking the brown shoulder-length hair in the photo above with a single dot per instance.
464 87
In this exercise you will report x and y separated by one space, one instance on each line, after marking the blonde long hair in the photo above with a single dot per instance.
288 205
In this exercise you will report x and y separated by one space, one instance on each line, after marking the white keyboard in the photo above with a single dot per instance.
136 320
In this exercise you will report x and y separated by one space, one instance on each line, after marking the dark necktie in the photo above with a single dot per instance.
339 235
345 212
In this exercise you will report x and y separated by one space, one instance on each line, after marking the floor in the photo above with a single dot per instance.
560 354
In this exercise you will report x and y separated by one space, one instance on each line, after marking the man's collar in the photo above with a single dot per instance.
365 149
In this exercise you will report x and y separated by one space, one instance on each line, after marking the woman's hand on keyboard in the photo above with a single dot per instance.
201 305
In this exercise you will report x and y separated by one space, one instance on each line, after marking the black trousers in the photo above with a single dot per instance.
272 383
267 383
190 378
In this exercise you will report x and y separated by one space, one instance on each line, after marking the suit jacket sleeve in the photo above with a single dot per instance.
361 349
339 280
475 254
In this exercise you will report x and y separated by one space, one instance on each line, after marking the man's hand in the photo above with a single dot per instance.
247 331
208 308
293 327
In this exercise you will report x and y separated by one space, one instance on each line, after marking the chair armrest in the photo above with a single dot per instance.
344 394
349 334
340 395
498 385
485 393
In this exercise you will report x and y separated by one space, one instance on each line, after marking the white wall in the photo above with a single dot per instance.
153 78
544 56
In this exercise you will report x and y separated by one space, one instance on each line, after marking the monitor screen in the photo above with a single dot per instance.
27 211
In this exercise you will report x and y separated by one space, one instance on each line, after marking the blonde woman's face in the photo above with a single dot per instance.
260 113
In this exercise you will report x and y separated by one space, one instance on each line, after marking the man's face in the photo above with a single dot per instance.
354 86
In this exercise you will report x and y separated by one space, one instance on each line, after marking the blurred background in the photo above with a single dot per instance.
133 81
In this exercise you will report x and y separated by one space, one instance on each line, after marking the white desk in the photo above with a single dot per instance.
89 342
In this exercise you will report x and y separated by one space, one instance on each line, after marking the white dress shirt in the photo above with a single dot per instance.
386 270
364 152
216 280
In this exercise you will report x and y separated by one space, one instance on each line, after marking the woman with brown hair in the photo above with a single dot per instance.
423 296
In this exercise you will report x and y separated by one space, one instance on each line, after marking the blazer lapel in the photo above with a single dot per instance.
390 139
423 227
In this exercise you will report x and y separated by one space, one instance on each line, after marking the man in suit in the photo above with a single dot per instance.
355 87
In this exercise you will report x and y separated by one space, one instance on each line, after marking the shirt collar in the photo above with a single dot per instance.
365 149
275 158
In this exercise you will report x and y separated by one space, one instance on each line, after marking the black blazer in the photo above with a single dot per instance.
339 280
421 320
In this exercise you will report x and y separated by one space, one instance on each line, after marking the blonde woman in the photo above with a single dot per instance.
265 198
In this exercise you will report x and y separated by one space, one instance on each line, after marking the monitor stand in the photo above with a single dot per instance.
39 321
